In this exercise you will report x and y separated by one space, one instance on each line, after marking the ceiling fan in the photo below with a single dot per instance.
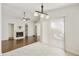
41 13
24 17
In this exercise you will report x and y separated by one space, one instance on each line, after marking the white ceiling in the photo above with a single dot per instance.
36 6
29 8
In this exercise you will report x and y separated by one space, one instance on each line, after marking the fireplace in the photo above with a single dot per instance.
19 34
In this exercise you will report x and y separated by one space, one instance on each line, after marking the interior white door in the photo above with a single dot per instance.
57 32
53 32
11 30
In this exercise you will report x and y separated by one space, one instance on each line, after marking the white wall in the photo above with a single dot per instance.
71 14
45 32
14 16
0 27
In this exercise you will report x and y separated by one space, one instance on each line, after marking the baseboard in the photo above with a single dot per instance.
11 38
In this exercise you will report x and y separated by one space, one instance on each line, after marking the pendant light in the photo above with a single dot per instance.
41 13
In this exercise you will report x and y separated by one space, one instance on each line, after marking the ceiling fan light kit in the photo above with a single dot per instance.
36 14
24 17
41 14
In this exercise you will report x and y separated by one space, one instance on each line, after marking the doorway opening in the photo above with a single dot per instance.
26 31
58 33
11 31
53 32
35 31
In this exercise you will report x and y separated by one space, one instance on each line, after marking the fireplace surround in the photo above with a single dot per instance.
19 34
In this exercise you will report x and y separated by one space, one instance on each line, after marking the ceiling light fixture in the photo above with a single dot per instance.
24 17
41 13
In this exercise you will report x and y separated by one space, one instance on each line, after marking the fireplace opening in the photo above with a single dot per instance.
19 34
